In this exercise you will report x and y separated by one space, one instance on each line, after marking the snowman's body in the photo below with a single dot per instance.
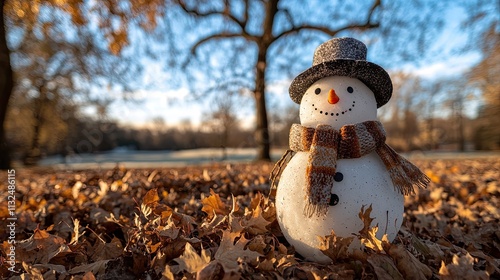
365 183
337 101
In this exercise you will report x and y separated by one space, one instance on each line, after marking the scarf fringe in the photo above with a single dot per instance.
311 209
404 175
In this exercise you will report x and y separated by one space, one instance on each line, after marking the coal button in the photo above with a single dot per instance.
338 177
334 199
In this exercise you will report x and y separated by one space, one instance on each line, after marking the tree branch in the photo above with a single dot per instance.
195 12
327 30
214 37
226 13
376 4
332 32
288 16
245 16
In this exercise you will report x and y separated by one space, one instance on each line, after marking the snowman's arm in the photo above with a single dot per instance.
279 167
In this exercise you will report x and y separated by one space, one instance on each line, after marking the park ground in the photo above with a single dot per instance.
217 221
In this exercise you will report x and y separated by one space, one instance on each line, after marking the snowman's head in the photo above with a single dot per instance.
337 101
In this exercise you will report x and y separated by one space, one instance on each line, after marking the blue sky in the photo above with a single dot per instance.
176 106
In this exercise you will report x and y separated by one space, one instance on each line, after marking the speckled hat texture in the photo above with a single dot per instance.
343 57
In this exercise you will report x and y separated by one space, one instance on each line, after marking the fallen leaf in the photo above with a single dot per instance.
384 267
167 273
461 267
253 221
107 251
97 268
99 215
434 178
267 265
213 205
190 261
206 176
234 219
186 222
88 276
151 197
258 244
41 247
151 176
211 271
76 232
335 247
75 191
407 264
256 201
31 272
492 264
230 253
364 216
169 230
63 223
368 234
209 227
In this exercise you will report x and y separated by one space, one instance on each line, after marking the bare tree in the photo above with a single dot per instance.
255 23
460 96
159 124
71 48
223 119
433 92
55 71
485 77
281 121
400 116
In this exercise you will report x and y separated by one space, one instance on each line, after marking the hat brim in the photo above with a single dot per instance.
372 75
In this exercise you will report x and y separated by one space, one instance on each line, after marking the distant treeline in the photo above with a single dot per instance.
98 136
91 136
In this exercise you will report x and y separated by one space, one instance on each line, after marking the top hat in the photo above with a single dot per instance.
343 57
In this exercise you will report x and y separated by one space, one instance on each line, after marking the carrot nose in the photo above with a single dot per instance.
333 97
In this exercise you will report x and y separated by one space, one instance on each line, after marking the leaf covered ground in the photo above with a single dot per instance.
218 222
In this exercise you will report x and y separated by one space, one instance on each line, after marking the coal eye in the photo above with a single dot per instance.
317 91
349 89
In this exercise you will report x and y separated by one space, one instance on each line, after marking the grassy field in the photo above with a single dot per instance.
218 222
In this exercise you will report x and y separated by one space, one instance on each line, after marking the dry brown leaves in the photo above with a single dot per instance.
217 222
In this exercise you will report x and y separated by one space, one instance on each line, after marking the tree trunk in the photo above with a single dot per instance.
460 121
6 85
34 153
262 130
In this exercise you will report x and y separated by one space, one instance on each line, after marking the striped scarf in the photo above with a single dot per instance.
325 145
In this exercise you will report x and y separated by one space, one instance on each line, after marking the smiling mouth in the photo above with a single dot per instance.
333 113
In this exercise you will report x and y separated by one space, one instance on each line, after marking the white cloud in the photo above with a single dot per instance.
164 95
279 87
172 106
451 67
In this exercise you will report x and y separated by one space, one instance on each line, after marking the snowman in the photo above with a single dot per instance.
340 160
